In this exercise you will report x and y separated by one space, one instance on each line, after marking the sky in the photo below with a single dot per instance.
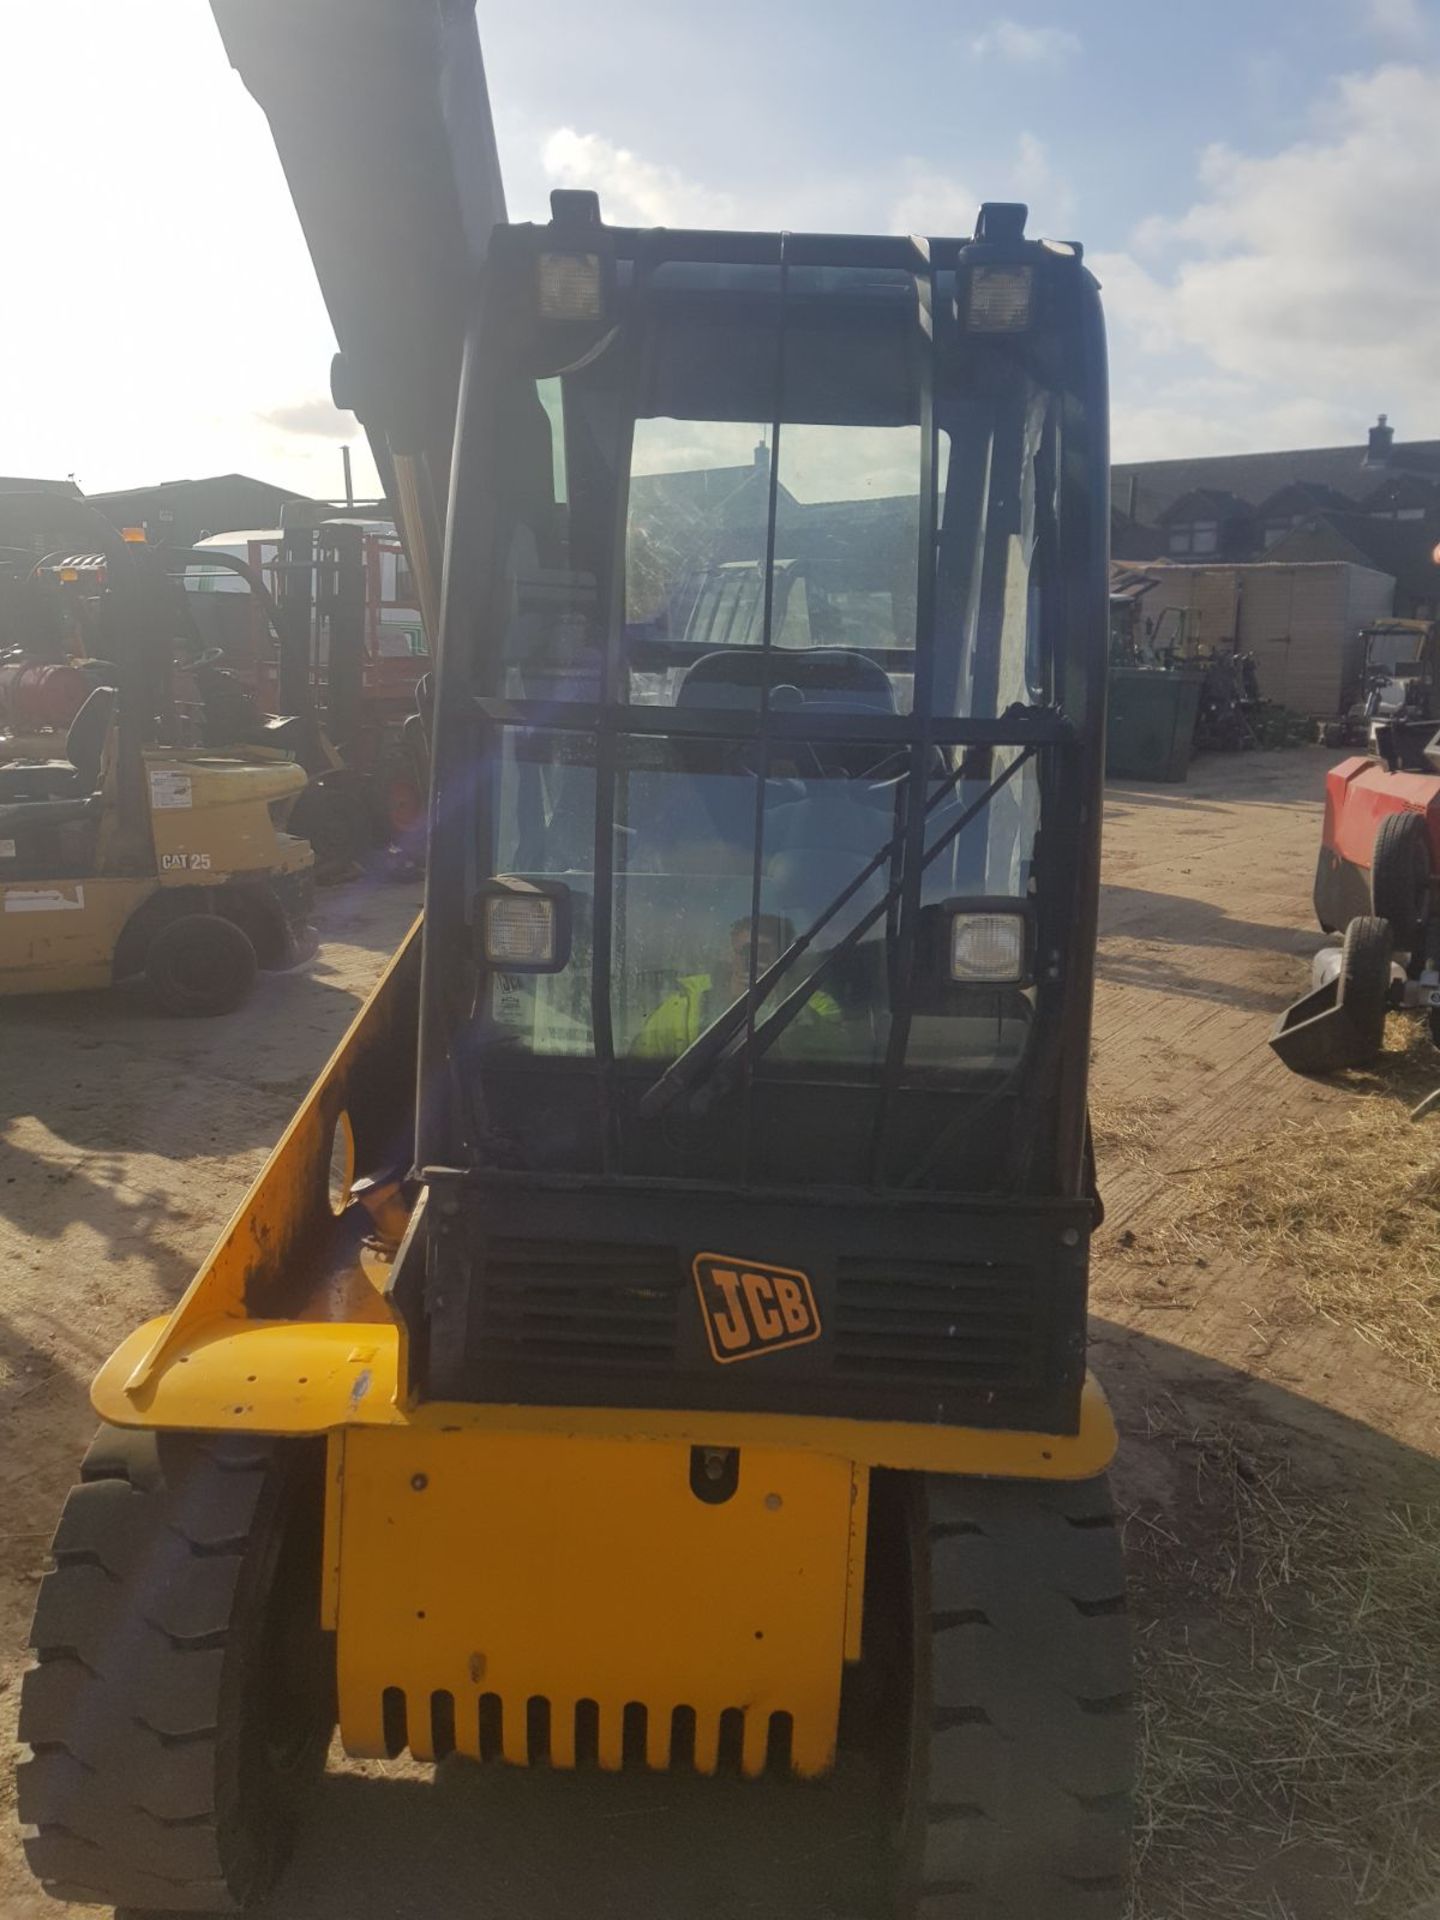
1256 182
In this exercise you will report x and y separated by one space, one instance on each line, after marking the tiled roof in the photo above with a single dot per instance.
1305 496
121 494
1401 548
1256 476
1130 541
1206 503
17 483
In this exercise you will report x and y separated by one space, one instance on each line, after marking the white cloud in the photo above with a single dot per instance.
1402 21
316 418
1300 279
633 192
1035 180
929 201
905 196
932 202
1026 46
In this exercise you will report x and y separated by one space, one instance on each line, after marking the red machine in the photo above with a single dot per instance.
51 628
1377 879
41 695
1360 794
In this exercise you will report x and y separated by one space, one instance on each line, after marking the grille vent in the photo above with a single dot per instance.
607 1305
936 1324
535 1733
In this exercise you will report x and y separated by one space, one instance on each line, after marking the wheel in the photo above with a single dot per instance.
200 964
1400 876
183 1698
336 821
1012 1772
1364 989
263 925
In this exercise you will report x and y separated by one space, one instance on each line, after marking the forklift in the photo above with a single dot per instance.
317 646
221 630
1396 686
52 613
582 1387
128 856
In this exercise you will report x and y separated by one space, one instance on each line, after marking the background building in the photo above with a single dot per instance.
1376 507
180 512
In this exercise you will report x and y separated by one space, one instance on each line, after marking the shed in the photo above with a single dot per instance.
1301 621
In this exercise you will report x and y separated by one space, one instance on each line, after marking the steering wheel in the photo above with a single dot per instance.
746 758
896 763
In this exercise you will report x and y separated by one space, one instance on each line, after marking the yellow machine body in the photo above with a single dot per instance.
212 814
494 1592
210 821
536 1582
58 936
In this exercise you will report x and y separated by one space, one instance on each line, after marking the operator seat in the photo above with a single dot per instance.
75 777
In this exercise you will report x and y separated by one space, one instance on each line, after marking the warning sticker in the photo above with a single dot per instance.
7 849
512 1001
168 788
44 899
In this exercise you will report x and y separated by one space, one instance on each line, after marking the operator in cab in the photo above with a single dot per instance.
684 1015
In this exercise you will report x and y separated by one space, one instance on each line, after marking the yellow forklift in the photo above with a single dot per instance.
131 856
692 1373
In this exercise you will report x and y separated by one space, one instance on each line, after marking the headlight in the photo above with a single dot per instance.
524 927
569 286
999 299
988 948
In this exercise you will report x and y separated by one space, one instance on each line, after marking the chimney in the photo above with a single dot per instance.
762 458
1382 440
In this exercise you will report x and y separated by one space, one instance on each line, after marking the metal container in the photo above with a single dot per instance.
1150 722
35 695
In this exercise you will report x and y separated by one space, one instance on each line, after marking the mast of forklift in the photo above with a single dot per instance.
381 118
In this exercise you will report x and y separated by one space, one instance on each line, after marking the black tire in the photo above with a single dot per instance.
1364 987
201 964
1400 877
183 1699
336 821
1016 1768
259 918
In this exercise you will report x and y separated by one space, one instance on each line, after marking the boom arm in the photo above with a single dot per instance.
381 116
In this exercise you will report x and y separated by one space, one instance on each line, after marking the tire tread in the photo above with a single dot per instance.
1031 1743
125 1787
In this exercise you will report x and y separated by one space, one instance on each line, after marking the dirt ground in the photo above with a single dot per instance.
132 1137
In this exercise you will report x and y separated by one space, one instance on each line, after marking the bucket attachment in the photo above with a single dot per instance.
1341 1021
1316 1033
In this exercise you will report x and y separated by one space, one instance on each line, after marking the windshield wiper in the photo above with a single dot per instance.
701 1058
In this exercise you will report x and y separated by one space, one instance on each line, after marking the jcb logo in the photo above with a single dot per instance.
751 1309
